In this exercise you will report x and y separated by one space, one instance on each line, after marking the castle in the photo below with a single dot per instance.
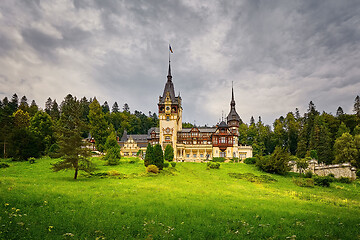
190 144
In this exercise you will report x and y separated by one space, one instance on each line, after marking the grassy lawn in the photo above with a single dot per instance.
187 202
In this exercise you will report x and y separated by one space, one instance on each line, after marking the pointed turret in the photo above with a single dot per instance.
233 118
169 88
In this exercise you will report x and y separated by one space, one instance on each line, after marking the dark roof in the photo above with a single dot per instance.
124 137
222 124
157 130
169 88
201 129
136 137
233 115
139 137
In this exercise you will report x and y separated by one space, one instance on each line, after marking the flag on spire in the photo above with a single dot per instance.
170 49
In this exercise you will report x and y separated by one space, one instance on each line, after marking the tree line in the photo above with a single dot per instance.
29 131
335 139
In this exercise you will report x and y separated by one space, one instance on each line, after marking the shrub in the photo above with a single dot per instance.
218 159
169 153
251 160
304 182
152 169
166 164
344 180
99 174
132 161
158 157
213 165
173 164
308 174
278 162
331 175
148 155
112 156
31 160
322 181
113 173
54 151
4 165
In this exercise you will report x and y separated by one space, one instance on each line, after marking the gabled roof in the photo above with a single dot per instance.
223 125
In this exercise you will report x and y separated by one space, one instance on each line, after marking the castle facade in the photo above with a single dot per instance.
190 144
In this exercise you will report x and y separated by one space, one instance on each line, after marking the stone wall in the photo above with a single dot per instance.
339 170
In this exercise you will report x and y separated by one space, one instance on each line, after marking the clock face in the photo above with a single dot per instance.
167 130
167 108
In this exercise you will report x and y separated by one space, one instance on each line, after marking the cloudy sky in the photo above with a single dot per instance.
279 54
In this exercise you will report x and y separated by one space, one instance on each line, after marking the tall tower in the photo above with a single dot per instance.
170 115
233 119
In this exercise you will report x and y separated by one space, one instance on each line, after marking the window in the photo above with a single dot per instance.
201 155
194 155
222 154
167 118
167 138
222 140
242 155
187 155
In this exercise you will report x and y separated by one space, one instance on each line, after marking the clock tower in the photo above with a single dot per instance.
170 115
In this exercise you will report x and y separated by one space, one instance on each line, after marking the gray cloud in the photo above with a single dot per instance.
279 54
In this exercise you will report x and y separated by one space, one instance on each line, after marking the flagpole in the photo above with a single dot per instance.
169 53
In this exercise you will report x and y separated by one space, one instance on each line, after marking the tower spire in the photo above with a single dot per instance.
232 103
169 73
233 116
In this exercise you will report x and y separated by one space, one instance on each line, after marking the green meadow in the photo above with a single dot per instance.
185 202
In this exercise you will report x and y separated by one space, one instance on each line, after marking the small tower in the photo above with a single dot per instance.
233 119
170 114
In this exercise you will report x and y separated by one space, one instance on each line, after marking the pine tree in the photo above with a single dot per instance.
339 112
48 104
158 157
149 155
33 109
252 120
115 108
357 106
55 112
169 153
292 132
320 141
126 108
112 150
24 104
14 104
99 127
105 107
69 127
